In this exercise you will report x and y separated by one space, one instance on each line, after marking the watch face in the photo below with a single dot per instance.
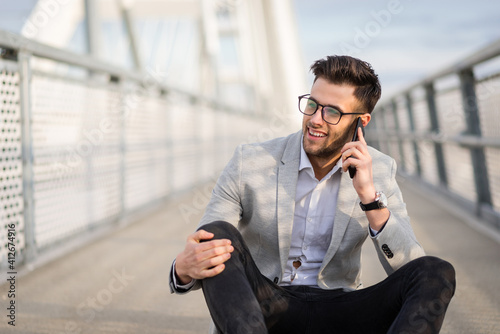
382 201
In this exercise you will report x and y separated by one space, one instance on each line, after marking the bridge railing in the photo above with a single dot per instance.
445 131
85 144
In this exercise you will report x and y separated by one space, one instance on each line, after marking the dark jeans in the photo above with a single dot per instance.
413 299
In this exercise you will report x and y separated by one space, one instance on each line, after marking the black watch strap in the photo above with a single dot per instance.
379 203
369 206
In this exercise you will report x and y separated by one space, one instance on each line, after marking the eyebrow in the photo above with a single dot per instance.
327 105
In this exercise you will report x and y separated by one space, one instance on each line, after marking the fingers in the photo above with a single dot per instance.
212 248
360 145
358 150
208 263
355 155
200 235
214 261
213 271
352 152
361 136
208 248
203 257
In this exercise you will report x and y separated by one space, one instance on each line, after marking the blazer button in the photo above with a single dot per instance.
387 251
276 280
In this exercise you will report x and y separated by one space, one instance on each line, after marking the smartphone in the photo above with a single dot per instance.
359 124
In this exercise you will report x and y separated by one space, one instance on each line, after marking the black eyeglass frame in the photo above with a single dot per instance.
322 109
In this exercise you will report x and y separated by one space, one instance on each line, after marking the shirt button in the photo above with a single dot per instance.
305 248
309 219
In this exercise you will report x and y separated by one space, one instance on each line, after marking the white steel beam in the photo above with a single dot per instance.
285 54
53 22
131 34
153 8
93 28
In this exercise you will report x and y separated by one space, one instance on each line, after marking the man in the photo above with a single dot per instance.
293 263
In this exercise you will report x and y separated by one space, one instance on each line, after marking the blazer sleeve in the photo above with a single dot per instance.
396 244
224 204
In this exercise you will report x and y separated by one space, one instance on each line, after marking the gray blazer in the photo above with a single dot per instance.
256 193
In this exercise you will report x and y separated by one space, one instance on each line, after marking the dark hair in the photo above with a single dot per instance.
354 72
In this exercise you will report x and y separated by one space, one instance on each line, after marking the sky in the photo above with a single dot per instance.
404 40
14 12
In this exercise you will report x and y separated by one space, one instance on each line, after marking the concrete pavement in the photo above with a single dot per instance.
119 283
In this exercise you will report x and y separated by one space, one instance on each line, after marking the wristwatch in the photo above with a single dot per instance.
379 203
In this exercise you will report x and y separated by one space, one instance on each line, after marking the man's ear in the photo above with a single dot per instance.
365 118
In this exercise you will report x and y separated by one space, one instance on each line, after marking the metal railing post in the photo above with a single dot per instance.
89 163
402 159
24 60
411 118
430 95
384 130
471 139
478 158
170 144
123 148
375 140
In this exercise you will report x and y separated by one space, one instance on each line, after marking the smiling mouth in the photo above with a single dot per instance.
315 134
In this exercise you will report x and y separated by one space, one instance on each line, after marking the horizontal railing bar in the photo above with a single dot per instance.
17 42
488 78
13 41
470 139
490 51
487 212
9 65
462 140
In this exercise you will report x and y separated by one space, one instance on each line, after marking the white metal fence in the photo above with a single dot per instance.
84 144
445 131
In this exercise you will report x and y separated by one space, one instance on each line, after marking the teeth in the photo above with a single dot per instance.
316 134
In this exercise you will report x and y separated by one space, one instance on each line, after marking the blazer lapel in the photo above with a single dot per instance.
288 170
346 202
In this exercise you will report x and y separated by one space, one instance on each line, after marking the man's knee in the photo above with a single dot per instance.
436 265
434 268
221 230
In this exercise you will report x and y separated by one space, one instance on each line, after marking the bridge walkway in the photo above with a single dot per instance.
119 283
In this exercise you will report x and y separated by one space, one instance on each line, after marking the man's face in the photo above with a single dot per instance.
321 139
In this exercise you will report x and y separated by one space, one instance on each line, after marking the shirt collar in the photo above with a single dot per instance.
306 163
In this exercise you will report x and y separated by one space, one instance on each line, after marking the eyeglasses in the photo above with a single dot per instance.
308 107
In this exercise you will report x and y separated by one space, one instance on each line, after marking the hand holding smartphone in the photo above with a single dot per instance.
359 124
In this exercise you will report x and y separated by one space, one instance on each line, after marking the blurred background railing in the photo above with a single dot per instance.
92 146
98 125
444 132
99 121
115 112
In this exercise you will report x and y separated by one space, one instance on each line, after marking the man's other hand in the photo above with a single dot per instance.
363 180
201 258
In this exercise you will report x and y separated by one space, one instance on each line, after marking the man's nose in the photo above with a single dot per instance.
317 117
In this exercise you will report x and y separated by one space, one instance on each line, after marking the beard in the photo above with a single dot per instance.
334 147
